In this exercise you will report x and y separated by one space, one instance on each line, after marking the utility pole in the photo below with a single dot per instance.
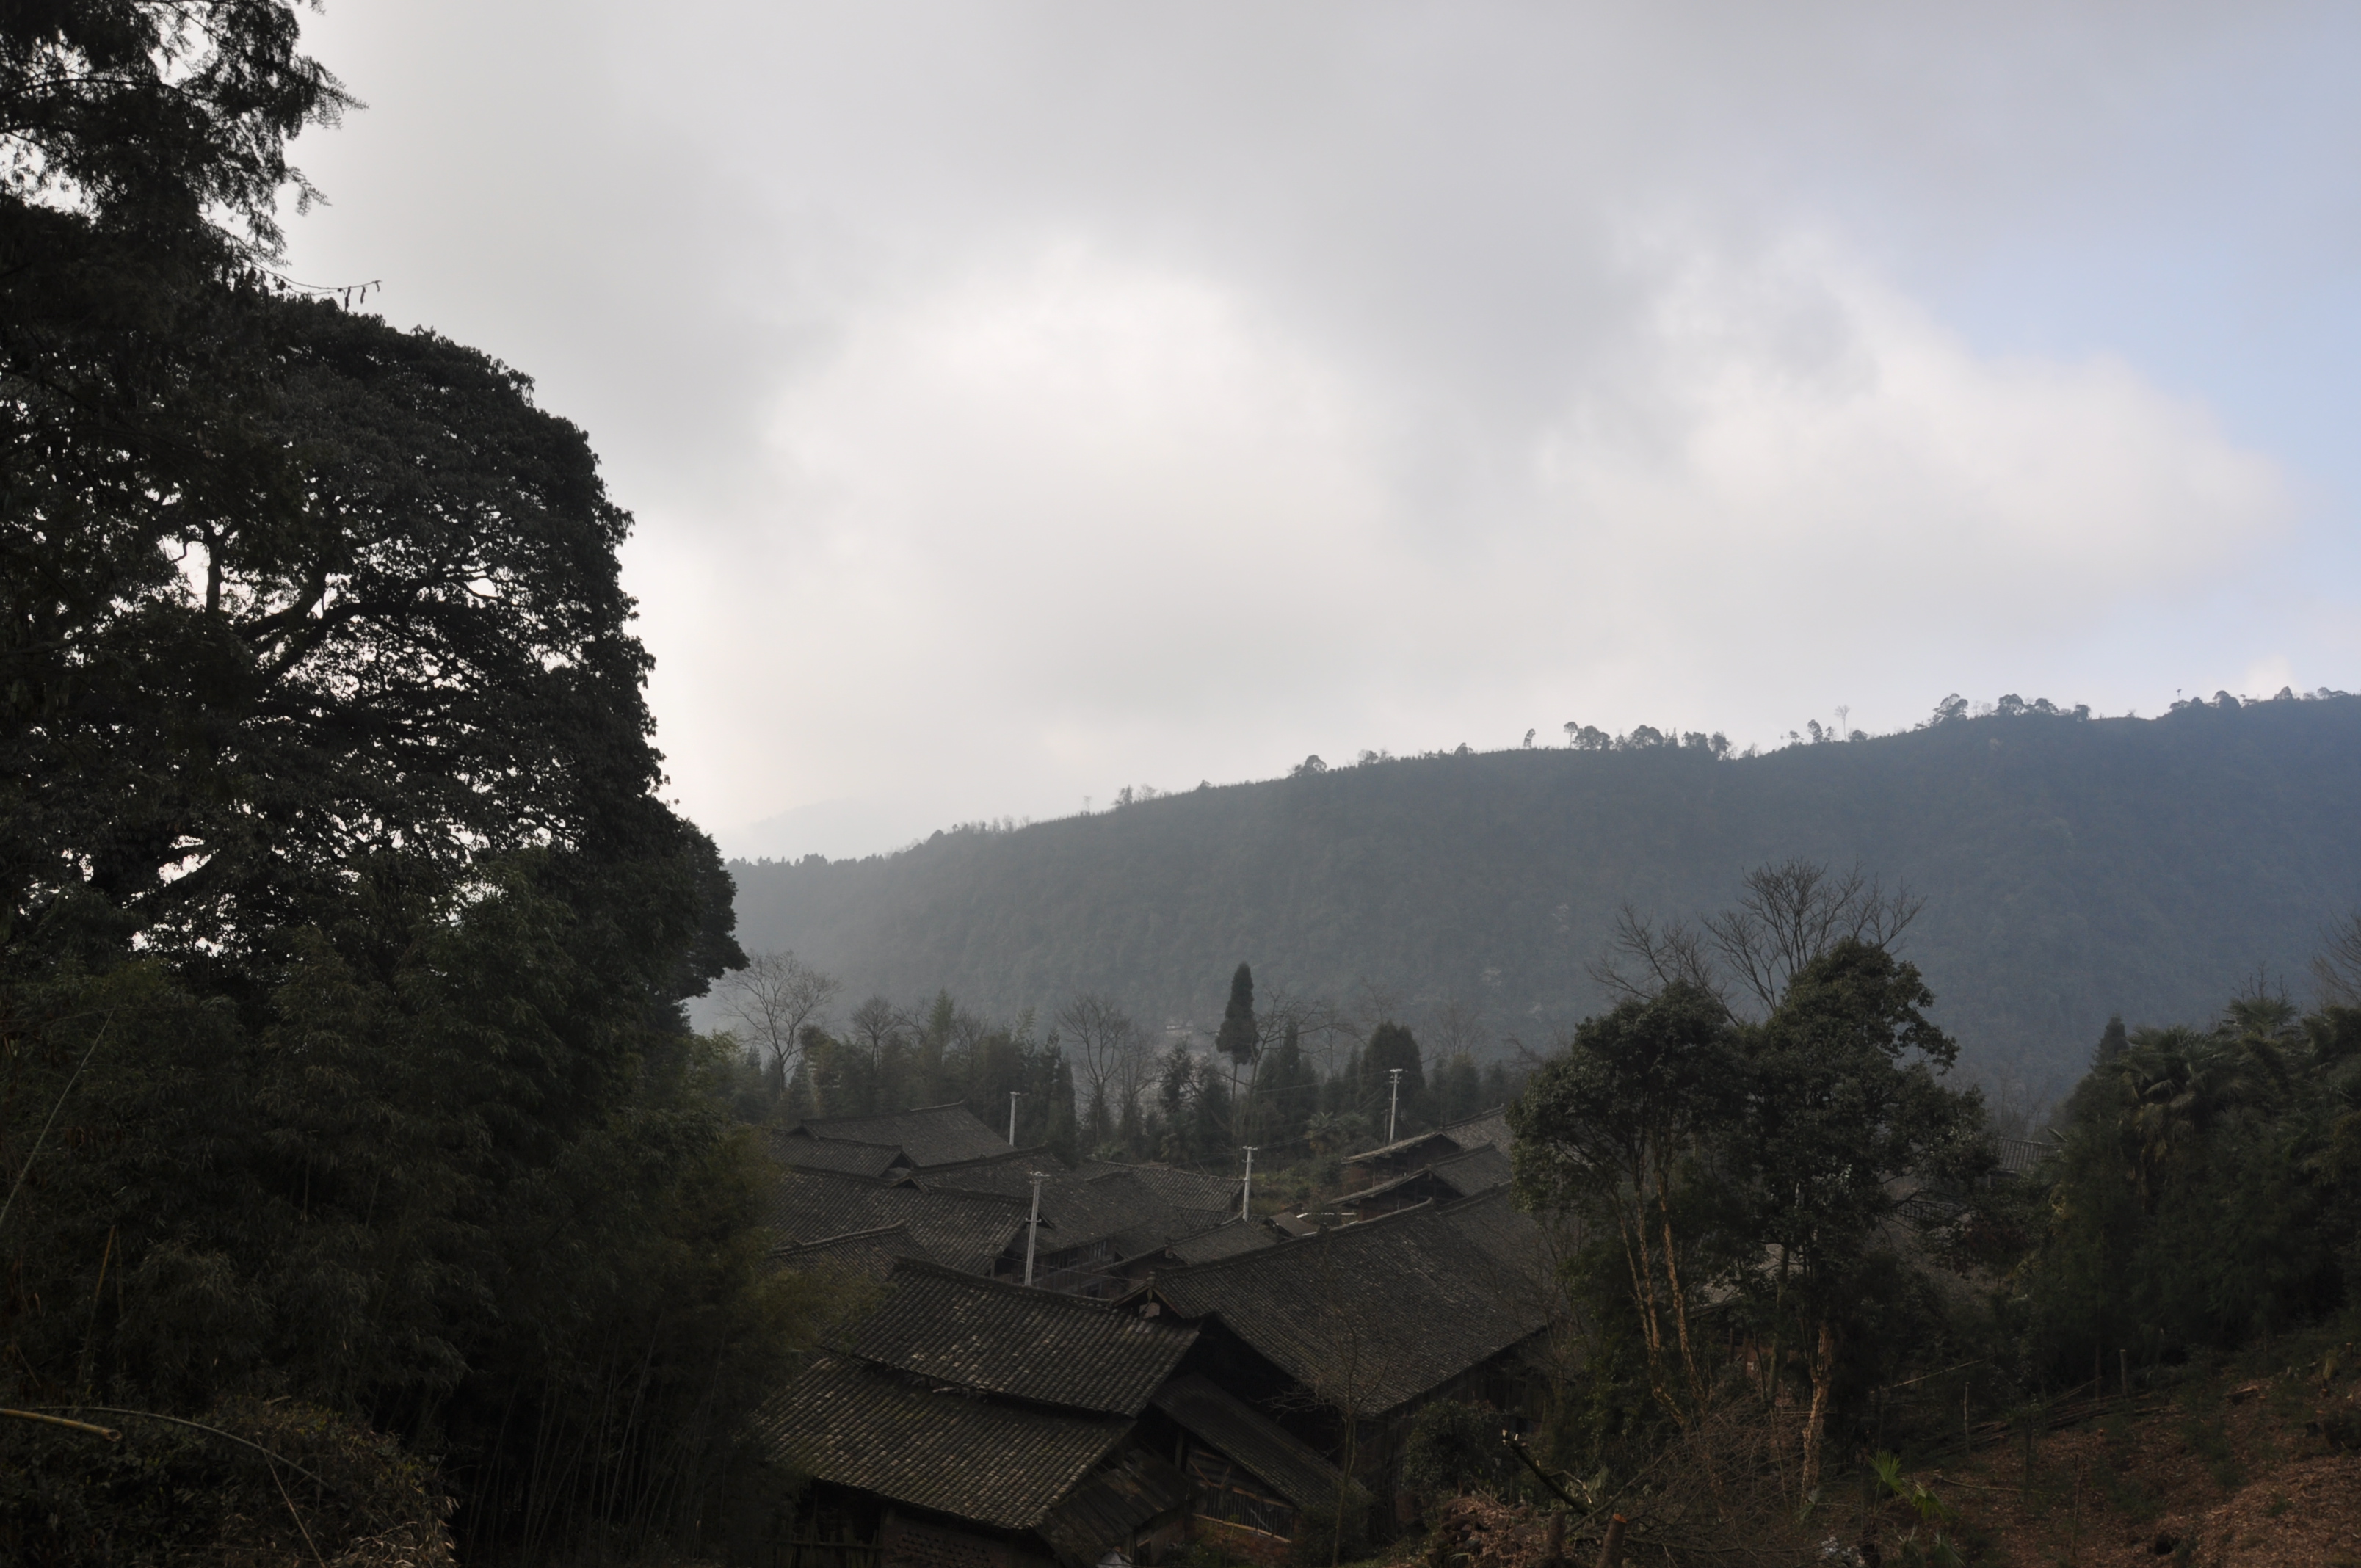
1012 1116
1033 1225
1245 1200
1393 1104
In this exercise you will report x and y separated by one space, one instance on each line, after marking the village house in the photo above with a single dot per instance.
1446 1180
965 1199
1177 1372
973 1231
968 1423
1340 1338
890 1141
1403 1156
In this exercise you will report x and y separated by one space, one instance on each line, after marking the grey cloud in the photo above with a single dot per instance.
1095 394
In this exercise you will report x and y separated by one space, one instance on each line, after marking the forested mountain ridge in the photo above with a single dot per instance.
2072 868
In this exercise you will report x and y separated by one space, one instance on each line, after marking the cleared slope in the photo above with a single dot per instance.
2072 869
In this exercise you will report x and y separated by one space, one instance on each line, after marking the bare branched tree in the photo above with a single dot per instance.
1103 1037
1456 1026
1643 957
773 998
1792 912
2336 968
878 1029
1369 1003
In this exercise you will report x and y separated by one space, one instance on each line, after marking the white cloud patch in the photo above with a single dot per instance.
1019 403
1045 520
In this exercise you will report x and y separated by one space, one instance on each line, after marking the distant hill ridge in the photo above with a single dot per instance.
2072 868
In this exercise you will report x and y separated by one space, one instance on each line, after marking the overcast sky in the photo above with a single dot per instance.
1022 401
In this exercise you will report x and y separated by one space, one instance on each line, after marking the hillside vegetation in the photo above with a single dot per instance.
2072 868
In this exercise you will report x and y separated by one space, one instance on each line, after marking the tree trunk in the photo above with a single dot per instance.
1824 1356
1610 1550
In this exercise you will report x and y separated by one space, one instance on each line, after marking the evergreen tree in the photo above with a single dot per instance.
1176 1088
1211 1129
1240 1035
1287 1089
1392 1046
1063 1135
1458 1089
2113 1044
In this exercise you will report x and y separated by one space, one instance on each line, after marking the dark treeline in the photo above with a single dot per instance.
2073 868
1295 1077
344 1084
1791 1241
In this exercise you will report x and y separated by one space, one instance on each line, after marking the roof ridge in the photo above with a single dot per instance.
922 1185
1432 1132
848 1236
1057 1300
879 1182
1208 1230
1425 1206
824 1138
1013 1153
881 1115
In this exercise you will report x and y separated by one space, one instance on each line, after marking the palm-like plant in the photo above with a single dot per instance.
2179 1085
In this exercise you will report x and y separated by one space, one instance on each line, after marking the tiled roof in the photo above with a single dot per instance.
1371 1315
1112 1503
1490 1127
964 1231
842 1155
1004 1164
2018 1156
1519 1249
867 1255
1251 1439
933 1134
977 1459
1226 1240
1181 1189
1109 1203
1465 1174
1028 1344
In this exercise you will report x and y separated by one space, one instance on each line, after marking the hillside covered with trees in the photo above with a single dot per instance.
2072 868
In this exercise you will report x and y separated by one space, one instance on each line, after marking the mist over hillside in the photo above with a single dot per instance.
2072 868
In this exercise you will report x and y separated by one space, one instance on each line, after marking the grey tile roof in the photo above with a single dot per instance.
995 1463
1373 1314
2018 1156
1109 1505
933 1134
1226 1240
1460 1175
1028 1344
1251 1439
1006 1169
1519 1249
842 1154
1104 1203
866 1255
1487 1127
1181 1189
966 1231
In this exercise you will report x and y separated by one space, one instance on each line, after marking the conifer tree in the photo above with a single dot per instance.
1240 1035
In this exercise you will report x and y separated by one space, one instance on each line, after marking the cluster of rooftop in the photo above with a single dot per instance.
1176 1372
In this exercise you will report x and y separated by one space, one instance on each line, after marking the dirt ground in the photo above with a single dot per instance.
2256 1474
2221 1469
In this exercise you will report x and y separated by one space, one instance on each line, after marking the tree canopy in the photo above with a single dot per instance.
344 937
